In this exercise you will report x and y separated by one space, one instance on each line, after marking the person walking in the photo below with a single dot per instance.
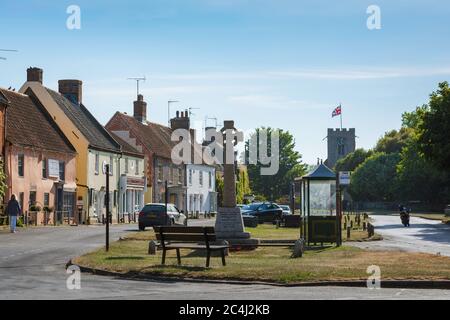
13 210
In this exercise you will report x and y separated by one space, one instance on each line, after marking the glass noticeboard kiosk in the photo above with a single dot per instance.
318 194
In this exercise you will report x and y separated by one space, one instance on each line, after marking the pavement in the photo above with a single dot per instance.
32 266
423 235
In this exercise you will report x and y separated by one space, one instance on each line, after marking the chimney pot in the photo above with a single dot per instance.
140 109
35 75
71 89
181 121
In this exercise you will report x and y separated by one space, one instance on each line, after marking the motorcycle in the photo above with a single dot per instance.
404 216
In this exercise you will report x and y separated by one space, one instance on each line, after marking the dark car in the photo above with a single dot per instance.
265 211
154 214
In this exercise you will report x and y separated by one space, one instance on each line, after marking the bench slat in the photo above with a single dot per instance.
181 229
193 246
185 237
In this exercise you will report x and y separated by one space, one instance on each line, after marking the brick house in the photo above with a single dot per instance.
39 160
155 142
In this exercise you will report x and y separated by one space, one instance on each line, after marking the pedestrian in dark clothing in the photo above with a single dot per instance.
13 210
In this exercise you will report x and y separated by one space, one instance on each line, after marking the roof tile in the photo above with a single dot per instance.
29 125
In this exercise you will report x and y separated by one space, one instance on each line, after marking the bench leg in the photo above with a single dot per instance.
208 257
163 257
178 256
223 257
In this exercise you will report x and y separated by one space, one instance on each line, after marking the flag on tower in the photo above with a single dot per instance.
336 112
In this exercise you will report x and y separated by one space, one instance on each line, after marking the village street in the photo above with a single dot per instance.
32 266
423 235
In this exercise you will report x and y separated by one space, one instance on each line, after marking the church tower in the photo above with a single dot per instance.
340 143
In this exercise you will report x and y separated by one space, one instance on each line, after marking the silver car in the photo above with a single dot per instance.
286 209
154 214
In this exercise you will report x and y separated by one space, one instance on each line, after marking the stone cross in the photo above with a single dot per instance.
229 177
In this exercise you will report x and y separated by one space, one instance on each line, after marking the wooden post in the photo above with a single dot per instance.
107 206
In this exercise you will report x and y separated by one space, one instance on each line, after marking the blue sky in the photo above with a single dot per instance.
278 63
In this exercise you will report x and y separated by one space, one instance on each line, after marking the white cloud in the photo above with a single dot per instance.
274 102
350 73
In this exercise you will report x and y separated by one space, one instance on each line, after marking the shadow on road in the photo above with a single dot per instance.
425 232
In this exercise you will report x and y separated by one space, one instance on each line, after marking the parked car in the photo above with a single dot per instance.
265 211
154 214
286 209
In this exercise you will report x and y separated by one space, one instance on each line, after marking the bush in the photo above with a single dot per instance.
35 208
48 209
20 222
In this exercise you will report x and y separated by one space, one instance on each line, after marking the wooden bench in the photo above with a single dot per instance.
176 238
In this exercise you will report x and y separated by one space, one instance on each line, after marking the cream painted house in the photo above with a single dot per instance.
94 145
133 182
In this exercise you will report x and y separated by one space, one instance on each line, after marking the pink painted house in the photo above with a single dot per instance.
39 160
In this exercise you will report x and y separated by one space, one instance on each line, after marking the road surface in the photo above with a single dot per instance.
423 235
32 266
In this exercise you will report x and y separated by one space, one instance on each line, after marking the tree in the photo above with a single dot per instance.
243 184
414 119
433 130
3 184
290 166
393 141
219 189
352 160
374 179
418 179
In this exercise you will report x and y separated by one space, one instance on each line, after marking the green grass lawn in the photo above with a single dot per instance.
274 264
266 232
269 264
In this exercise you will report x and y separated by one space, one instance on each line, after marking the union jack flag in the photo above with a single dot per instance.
336 112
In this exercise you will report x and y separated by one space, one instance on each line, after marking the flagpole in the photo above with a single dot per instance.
340 106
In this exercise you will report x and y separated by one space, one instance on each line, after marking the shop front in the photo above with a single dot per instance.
131 197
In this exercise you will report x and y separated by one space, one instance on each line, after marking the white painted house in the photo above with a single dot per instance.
201 188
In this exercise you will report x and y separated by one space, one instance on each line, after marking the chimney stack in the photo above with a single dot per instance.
72 90
181 121
35 75
140 109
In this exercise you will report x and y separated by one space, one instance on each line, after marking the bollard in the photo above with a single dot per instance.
299 248
370 230
348 233
351 224
152 247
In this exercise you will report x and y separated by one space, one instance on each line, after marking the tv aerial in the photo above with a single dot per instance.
137 79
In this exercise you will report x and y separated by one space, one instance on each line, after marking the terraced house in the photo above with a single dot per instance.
132 183
155 142
40 161
190 187
94 145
